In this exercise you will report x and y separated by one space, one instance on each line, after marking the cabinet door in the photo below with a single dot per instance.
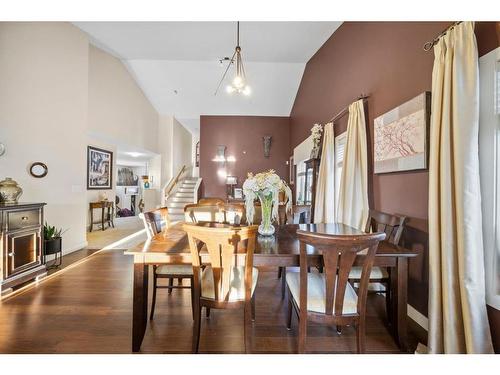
23 251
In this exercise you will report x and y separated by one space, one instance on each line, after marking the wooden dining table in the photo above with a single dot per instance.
281 250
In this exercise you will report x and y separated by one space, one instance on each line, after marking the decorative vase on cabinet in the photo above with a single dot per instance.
10 191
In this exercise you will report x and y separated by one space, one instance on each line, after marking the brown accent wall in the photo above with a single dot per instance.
385 60
243 137
494 317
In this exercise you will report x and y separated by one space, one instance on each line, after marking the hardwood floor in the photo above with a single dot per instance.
87 309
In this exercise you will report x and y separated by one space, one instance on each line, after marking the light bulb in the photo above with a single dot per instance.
247 91
229 89
238 82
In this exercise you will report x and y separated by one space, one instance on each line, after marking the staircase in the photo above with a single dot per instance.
185 194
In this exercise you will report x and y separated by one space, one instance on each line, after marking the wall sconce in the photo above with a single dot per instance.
267 139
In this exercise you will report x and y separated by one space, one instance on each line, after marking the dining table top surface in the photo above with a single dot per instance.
284 242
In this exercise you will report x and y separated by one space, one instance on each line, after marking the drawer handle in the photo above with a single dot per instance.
24 218
11 254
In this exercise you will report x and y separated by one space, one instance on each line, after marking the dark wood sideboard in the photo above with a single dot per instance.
21 243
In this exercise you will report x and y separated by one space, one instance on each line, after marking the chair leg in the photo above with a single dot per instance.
196 325
339 330
207 312
388 302
283 282
360 335
302 331
280 272
192 299
252 301
289 312
153 302
170 283
179 280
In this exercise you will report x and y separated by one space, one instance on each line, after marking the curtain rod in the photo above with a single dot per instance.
345 110
428 46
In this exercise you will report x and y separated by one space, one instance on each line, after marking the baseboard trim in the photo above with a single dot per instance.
70 250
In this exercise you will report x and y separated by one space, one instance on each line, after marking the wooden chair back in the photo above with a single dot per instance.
196 213
211 201
234 213
300 214
222 242
155 221
339 253
392 225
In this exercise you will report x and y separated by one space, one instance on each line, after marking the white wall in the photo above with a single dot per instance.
182 147
175 146
118 109
43 117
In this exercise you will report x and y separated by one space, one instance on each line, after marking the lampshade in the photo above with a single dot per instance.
231 180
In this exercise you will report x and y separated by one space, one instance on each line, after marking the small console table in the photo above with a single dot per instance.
107 213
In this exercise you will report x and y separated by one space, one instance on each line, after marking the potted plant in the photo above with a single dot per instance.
52 239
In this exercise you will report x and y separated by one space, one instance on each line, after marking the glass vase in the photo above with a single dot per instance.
266 227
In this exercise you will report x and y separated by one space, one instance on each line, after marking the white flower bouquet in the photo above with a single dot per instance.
266 186
316 132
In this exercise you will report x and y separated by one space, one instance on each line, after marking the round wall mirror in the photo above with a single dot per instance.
38 170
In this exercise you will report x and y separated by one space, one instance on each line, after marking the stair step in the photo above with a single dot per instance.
177 204
185 190
181 199
182 194
176 210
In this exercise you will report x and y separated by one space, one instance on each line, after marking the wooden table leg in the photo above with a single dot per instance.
399 286
140 305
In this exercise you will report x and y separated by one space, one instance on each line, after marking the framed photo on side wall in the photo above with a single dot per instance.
99 169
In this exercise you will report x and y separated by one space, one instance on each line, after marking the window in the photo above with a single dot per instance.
489 163
340 141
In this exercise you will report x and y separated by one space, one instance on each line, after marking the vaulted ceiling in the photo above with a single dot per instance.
177 64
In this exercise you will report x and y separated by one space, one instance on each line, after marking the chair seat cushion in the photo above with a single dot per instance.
175 269
237 283
377 273
316 293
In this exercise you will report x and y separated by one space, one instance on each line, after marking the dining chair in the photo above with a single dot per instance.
211 201
234 213
299 214
154 222
328 297
195 213
226 281
393 226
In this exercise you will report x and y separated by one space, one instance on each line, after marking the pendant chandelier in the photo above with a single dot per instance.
239 83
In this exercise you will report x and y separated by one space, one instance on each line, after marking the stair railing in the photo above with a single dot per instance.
197 192
169 188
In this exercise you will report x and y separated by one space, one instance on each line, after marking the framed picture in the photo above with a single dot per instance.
99 169
401 139
238 193
126 177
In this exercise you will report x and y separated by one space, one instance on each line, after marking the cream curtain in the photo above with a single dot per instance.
324 207
457 308
353 196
